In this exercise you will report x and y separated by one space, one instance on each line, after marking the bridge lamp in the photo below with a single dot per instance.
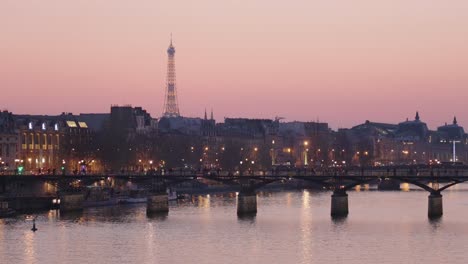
255 149
306 143
150 162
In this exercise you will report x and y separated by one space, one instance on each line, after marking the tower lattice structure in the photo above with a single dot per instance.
171 107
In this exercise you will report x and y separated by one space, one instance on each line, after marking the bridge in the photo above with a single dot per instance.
433 179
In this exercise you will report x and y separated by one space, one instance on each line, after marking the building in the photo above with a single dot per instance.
409 142
8 143
47 143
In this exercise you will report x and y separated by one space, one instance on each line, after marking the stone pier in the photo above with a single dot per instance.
157 203
71 202
435 205
246 203
339 203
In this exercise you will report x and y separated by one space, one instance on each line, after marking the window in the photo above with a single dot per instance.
71 124
30 125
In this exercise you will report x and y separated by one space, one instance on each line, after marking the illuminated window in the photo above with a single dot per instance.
83 124
30 125
43 126
71 124
56 127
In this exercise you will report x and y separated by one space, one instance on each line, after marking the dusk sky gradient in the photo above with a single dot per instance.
340 61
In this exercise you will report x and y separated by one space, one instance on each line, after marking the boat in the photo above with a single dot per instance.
135 196
171 195
5 211
99 196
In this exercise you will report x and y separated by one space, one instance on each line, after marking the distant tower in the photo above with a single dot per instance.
171 107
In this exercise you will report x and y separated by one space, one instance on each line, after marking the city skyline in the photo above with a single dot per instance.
294 62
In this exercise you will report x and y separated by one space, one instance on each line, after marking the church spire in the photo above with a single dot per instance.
212 114
206 116
417 116
455 120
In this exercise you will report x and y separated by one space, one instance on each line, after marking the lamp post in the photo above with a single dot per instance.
454 158
306 144
272 152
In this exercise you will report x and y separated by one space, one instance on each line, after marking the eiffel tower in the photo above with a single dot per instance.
171 107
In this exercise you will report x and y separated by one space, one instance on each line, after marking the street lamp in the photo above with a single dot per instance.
454 158
306 143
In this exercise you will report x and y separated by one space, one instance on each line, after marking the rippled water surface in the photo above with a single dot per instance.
290 227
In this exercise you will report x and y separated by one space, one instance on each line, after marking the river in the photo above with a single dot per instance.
290 227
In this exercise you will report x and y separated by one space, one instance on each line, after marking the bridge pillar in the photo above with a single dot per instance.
339 203
71 202
435 205
157 203
246 203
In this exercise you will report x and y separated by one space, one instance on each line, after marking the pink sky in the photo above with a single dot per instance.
340 61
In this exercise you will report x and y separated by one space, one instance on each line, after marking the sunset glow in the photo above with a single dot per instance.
338 61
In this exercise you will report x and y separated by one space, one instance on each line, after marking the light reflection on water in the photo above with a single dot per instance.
290 227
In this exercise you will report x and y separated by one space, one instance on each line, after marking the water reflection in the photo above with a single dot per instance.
291 227
29 247
306 228
73 216
204 201
435 223
339 221
247 218
159 216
